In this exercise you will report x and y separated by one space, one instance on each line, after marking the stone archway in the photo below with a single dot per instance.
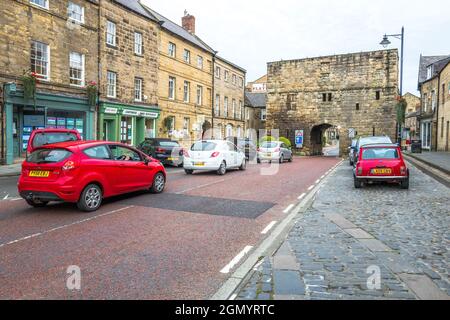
325 140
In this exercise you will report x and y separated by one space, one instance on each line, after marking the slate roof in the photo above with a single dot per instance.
178 30
426 61
232 64
255 100
137 7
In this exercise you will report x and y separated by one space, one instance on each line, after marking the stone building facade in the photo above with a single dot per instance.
129 55
411 123
430 68
254 114
58 41
185 81
229 80
351 91
443 114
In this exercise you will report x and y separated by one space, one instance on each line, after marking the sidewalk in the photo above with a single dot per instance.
10 170
438 160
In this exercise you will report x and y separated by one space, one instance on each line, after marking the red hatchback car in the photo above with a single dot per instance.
86 172
381 163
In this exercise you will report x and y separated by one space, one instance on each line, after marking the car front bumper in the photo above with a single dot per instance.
381 178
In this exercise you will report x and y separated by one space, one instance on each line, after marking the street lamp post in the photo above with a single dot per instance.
385 42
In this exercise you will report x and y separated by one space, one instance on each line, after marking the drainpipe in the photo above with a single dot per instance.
213 92
437 111
97 107
3 124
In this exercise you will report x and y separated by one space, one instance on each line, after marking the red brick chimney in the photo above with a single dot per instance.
188 22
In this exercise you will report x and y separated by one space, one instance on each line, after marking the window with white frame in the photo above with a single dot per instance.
233 79
172 82
225 77
186 125
187 56
200 62
247 113
433 100
233 110
217 105
40 59
239 113
429 72
110 33
76 69
76 12
137 89
241 82
172 49
186 92
40 3
199 95
263 114
225 106
138 43
111 83
425 102
218 72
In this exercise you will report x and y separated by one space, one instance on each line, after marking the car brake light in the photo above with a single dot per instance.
277 150
160 150
69 165
186 153
360 171
403 171
215 154
258 149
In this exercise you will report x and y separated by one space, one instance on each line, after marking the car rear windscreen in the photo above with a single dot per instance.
42 139
269 145
204 146
169 144
48 156
380 154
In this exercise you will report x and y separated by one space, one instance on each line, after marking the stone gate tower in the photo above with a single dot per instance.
351 91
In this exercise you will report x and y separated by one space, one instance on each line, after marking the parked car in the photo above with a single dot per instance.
274 151
167 151
351 151
87 172
249 149
42 137
381 163
213 155
362 141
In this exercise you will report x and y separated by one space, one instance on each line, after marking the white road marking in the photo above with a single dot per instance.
6 197
233 297
15 199
236 260
322 177
64 226
269 227
288 208
302 196
201 186
310 188
317 181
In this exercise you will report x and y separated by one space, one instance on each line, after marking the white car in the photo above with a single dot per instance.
274 151
213 155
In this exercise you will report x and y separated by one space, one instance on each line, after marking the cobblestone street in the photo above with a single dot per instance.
348 234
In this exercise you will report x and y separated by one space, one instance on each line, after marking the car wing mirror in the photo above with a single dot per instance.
146 161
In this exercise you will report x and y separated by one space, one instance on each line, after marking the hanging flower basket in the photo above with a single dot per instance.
168 121
29 81
92 93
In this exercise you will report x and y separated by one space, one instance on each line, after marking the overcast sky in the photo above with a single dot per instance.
251 33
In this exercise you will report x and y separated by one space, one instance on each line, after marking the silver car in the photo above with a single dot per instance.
363 141
274 151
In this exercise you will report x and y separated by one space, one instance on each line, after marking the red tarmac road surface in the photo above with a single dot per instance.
129 250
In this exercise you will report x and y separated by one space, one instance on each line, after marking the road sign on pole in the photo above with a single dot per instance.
299 139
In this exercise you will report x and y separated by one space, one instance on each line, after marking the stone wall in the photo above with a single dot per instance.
234 92
122 58
359 90
444 111
21 22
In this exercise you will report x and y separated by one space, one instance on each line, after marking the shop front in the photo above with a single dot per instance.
128 124
49 111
